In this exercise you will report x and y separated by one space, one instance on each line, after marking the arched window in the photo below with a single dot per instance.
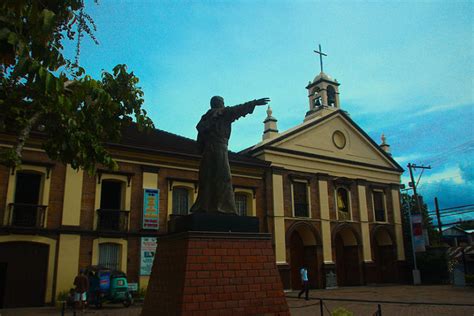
331 96
180 201
343 204
241 204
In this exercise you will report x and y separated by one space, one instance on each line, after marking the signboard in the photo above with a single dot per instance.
418 238
133 287
151 198
147 254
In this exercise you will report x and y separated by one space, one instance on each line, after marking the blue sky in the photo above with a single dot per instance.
405 68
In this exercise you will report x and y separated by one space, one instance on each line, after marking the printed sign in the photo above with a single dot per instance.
148 249
151 198
418 238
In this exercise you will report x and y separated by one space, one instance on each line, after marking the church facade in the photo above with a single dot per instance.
335 202
327 193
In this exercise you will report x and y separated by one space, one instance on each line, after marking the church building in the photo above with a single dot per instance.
327 193
335 202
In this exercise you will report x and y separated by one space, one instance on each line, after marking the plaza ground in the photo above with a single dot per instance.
394 300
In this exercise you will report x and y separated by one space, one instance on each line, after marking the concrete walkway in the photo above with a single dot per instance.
442 300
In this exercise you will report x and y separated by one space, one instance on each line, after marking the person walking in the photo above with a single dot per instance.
304 283
81 282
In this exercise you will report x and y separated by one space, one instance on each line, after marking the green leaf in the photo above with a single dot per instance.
48 19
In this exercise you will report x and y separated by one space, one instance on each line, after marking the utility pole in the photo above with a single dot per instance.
415 272
438 216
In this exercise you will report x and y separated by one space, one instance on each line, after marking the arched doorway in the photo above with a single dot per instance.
385 256
23 269
305 250
348 265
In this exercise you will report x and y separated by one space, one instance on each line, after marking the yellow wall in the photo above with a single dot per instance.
325 222
279 219
68 261
72 196
364 223
52 255
398 224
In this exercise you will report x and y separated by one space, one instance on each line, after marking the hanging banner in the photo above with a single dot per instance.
151 198
147 254
418 237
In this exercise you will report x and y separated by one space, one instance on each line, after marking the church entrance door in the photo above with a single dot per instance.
348 265
385 257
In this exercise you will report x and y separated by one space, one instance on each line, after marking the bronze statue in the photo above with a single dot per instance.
215 187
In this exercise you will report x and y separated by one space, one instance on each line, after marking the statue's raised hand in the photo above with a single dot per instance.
262 101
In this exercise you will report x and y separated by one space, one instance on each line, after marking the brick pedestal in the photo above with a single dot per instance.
204 273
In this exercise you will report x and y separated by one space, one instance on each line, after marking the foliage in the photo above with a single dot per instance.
469 224
433 265
40 89
341 311
469 279
62 296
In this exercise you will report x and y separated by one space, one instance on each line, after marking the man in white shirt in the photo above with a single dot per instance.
304 282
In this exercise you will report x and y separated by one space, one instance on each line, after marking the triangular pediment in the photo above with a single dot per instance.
334 137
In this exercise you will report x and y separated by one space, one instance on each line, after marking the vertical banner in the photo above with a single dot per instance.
418 238
151 198
147 254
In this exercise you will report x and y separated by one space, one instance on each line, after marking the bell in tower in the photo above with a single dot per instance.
323 93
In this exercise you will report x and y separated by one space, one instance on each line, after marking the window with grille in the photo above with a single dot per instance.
109 255
241 203
180 201
379 206
342 202
300 199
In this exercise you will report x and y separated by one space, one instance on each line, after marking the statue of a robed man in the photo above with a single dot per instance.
215 187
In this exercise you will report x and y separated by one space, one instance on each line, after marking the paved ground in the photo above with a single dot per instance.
457 302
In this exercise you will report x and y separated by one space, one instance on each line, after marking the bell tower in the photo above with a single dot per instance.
323 92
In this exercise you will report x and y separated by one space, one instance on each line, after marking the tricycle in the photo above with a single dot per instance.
107 285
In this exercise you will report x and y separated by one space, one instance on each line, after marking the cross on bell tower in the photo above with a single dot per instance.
323 92
321 54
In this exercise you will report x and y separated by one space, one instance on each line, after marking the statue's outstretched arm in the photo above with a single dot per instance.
235 112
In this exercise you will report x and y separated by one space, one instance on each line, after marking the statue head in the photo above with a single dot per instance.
217 102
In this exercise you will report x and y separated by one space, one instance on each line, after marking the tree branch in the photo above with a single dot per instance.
23 136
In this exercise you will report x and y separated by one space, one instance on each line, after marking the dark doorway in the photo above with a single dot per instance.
3 278
297 259
111 195
27 195
348 268
385 258
25 266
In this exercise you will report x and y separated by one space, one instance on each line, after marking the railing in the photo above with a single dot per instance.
343 216
26 215
112 220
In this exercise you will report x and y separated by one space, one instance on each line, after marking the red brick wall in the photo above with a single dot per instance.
221 275
56 196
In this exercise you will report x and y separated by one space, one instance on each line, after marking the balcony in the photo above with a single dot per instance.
112 220
26 215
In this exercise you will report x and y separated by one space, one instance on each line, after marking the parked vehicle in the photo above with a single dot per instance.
106 285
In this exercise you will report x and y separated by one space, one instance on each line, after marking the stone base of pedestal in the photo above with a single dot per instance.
208 273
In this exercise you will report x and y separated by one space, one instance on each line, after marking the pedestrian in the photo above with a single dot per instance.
304 283
81 282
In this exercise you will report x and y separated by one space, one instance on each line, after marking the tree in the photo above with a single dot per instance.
42 90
